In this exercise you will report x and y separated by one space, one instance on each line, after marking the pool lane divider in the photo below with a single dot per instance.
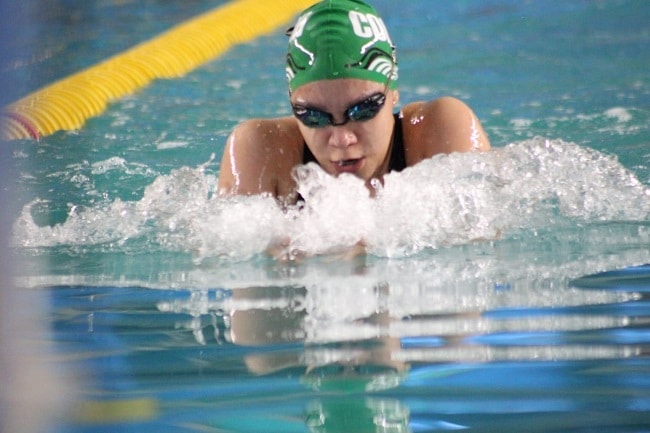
116 411
67 104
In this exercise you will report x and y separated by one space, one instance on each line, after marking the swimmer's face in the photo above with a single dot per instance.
359 147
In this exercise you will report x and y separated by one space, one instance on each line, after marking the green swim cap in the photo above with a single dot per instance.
340 39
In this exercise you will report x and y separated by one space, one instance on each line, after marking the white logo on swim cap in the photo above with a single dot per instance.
381 65
299 27
288 72
297 32
369 26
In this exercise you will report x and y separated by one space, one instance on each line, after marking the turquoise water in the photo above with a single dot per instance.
506 291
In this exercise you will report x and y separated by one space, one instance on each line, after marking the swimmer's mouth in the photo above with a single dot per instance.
348 165
347 162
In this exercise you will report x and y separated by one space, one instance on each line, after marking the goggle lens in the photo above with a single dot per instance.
360 112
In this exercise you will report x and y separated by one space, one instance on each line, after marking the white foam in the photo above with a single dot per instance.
119 164
620 114
173 144
447 200
520 123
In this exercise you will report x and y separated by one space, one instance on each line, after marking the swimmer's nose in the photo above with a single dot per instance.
341 136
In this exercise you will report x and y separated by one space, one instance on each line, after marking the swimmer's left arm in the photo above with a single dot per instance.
282 251
444 125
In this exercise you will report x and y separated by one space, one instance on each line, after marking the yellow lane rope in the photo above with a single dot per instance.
68 103
113 411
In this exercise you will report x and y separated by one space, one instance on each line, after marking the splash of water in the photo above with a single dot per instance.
447 200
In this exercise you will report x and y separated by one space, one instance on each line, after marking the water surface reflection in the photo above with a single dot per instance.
394 346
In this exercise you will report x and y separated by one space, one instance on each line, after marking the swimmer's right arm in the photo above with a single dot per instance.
259 156
244 161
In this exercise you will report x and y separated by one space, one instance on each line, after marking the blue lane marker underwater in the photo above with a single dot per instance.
631 279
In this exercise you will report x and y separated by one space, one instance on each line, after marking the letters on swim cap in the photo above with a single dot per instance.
340 39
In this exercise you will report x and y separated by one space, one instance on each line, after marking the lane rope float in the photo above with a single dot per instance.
67 103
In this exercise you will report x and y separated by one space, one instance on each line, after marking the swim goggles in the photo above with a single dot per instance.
359 112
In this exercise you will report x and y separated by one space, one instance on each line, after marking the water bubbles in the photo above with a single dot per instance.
447 200
619 114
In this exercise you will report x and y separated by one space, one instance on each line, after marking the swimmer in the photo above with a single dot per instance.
342 76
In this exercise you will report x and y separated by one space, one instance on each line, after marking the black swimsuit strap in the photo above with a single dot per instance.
307 156
397 153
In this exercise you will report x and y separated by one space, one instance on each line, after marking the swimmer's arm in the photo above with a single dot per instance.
444 125
282 251
245 162
259 156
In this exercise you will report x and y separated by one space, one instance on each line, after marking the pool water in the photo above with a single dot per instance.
506 291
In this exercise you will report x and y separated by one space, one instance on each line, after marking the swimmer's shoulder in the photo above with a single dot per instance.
267 135
442 125
259 156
